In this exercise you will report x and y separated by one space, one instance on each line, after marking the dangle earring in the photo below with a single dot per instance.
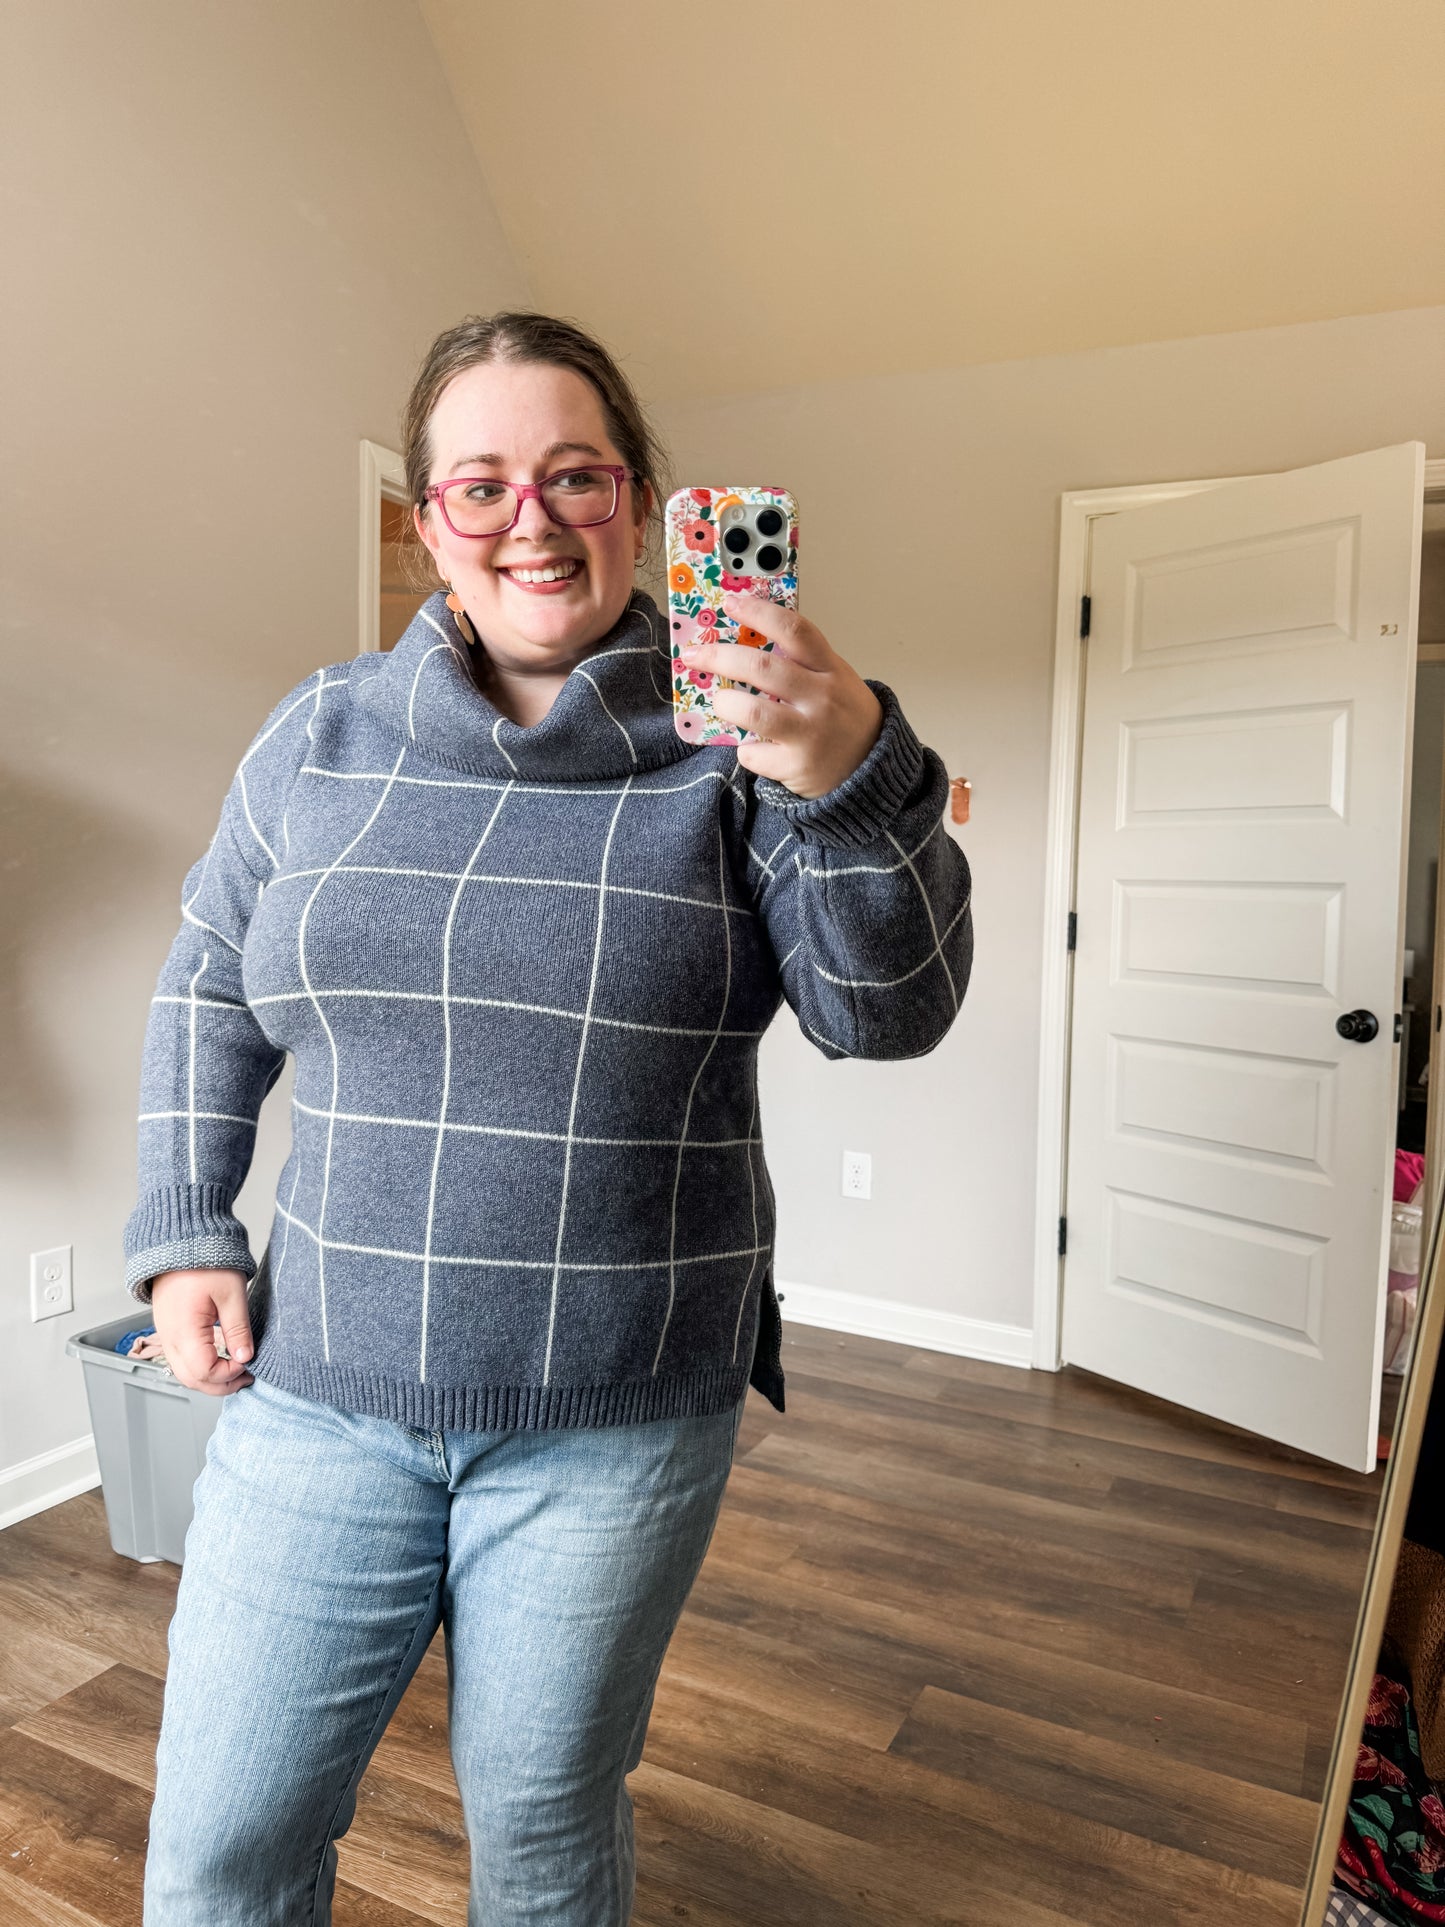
460 617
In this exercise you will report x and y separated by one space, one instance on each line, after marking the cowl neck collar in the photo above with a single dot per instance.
612 716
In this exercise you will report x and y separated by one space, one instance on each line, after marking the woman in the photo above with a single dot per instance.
523 942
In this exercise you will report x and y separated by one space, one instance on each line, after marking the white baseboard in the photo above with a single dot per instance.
48 1479
934 1331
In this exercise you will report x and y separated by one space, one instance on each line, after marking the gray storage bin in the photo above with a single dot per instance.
150 1439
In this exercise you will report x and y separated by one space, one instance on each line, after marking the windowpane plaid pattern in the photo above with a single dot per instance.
1345 1910
524 974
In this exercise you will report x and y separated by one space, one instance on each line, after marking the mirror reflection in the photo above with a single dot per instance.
1391 1847
723 1011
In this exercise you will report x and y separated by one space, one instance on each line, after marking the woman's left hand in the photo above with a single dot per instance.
814 718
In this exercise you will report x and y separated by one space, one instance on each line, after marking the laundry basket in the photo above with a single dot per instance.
150 1439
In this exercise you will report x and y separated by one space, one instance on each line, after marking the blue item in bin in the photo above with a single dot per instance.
124 1344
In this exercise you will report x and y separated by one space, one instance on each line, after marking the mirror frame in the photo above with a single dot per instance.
1379 1578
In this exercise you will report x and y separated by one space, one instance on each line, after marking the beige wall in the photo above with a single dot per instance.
962 624
836 188
234 229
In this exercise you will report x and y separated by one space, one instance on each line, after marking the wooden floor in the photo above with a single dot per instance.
971 1645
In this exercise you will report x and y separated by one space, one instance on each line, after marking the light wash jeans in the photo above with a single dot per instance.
325 1549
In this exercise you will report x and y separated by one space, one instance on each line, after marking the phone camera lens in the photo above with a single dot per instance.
769 559
735 541
770 523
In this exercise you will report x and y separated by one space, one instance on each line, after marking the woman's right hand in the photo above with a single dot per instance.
187 1306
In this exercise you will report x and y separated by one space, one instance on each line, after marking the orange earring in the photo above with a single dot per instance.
460 617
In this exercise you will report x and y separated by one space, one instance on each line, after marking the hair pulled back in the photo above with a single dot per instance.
520 335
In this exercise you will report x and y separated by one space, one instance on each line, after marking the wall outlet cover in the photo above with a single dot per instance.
857 1174
51 1289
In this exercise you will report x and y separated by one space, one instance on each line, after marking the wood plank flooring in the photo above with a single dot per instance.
971 1645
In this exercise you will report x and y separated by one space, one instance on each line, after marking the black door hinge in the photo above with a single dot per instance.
1073 930
1063 1236
1086 609
1399 1025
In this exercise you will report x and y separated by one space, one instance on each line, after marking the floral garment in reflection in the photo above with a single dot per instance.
1392 1852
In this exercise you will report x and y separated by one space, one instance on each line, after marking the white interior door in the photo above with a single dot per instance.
1244 771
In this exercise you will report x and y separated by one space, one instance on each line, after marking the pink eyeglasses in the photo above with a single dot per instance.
578 498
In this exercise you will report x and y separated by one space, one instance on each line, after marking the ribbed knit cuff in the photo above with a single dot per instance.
183 1227
863 805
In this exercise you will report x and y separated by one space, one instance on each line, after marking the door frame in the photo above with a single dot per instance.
1078 510
383 479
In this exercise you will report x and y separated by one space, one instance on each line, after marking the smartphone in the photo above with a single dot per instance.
743 539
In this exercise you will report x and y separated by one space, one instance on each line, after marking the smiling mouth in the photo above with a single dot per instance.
561 570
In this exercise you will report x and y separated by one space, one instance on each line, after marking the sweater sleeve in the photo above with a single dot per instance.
865 898
206 1064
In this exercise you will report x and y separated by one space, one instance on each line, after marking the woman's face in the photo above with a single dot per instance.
520 422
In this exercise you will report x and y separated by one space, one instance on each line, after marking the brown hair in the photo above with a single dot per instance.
523 336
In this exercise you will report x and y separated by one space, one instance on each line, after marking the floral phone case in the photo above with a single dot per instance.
744 539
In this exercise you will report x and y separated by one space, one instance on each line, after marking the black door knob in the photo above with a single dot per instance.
1358 1025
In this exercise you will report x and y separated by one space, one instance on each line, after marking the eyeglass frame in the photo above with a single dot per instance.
434 491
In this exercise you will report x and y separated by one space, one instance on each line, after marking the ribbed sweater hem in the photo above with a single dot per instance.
497 1408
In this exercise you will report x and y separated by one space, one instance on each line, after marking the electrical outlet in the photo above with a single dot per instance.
50 1285
857 1174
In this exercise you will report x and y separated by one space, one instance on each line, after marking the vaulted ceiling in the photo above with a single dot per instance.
744 196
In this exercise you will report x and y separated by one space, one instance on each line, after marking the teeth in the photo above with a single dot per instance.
557 572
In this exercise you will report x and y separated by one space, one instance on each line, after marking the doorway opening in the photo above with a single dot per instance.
1418 1137
390 554
398 573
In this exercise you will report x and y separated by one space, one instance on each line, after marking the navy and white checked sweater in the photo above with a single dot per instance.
524 974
